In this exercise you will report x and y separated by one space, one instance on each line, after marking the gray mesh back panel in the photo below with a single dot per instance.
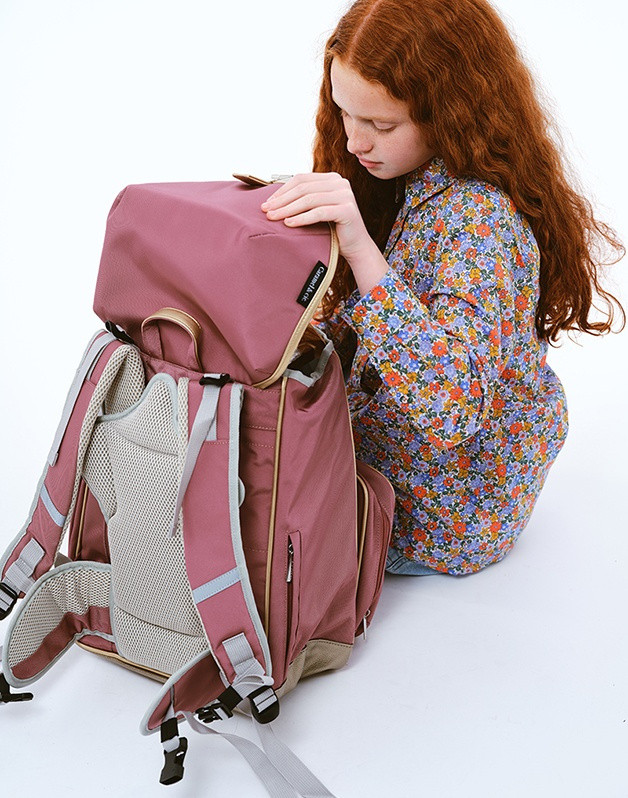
121 382
133 468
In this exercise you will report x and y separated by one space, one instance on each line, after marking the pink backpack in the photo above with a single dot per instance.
222 538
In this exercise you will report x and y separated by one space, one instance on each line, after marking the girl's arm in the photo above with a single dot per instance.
440 354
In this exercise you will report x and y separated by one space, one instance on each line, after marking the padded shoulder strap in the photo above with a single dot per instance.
105 360
210 495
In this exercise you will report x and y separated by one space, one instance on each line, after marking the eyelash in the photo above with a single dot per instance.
378 129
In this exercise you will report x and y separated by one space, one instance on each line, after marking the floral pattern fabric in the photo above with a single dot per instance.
449 390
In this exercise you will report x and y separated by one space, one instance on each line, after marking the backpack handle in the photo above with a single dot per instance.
152 337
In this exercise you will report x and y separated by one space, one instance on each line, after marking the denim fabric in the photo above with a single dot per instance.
398 564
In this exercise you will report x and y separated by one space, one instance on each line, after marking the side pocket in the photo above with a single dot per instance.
376 503
293 584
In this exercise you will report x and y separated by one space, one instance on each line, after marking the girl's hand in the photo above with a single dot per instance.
322 197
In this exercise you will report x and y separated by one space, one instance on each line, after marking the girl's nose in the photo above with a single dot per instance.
358 140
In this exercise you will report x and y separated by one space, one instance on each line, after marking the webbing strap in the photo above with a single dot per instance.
289 764
276 785
203 429
94 349
283 774
19 574
250 674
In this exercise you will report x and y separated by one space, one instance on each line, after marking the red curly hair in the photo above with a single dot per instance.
467 87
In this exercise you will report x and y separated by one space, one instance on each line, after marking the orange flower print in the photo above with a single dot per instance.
483 230
521 302
460 294
378 293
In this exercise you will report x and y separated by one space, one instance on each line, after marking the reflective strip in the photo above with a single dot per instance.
19 574
203 429
216 585
56 516
94 349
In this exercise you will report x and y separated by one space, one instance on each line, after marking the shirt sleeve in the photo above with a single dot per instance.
439 354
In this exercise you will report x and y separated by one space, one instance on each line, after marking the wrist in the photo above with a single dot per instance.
368 266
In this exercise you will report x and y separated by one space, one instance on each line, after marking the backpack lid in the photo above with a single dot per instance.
207 249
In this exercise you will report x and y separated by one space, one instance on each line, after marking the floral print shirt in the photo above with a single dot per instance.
449 390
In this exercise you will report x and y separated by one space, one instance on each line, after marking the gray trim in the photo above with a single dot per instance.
216 585
96 566
95 348
237 397
159 377
56 516
203 429
19 574
318 371
167 687
9 551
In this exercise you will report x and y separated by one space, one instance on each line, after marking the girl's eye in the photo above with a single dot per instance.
384 129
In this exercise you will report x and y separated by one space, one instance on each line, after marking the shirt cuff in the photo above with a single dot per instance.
385 310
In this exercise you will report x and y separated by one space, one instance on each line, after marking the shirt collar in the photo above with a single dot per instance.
426 180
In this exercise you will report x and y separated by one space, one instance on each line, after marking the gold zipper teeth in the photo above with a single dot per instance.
273 506
362 534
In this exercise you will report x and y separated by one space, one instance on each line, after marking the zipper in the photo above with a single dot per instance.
290 561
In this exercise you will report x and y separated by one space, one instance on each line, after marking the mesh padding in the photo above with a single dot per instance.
126 388
98 474
155 647
71 590
127 360
155 619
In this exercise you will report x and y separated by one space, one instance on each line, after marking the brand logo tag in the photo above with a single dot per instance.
312 283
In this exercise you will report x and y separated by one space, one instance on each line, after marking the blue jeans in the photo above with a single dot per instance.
398 564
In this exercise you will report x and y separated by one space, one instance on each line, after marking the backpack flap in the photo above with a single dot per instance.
209 250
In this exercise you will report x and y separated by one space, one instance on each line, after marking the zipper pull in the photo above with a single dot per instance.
290 560
368 612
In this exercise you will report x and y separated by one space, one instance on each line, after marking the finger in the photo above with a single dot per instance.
308 202
301 184
324 213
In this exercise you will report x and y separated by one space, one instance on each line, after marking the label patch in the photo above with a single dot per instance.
317 275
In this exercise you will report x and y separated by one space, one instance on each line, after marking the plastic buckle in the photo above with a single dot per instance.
211 712
13 596
221 708
270 702
7 697
207 379
172 771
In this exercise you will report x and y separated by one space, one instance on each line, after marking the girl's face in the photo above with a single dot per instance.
379 130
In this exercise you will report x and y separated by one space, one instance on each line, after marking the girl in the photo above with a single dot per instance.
465 252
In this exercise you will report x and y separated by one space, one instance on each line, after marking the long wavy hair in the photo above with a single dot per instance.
467 87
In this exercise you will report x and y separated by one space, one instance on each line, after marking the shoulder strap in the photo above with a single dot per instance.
34 549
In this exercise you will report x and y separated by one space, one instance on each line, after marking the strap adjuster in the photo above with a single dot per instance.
264 704
7 697
221 708
220 380
7 606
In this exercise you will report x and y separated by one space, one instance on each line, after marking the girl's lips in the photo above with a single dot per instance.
368 163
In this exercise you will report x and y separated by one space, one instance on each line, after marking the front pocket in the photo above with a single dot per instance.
293 583
376 504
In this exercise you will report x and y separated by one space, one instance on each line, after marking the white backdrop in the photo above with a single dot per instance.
511 682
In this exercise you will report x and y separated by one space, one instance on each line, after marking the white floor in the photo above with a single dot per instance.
512 683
